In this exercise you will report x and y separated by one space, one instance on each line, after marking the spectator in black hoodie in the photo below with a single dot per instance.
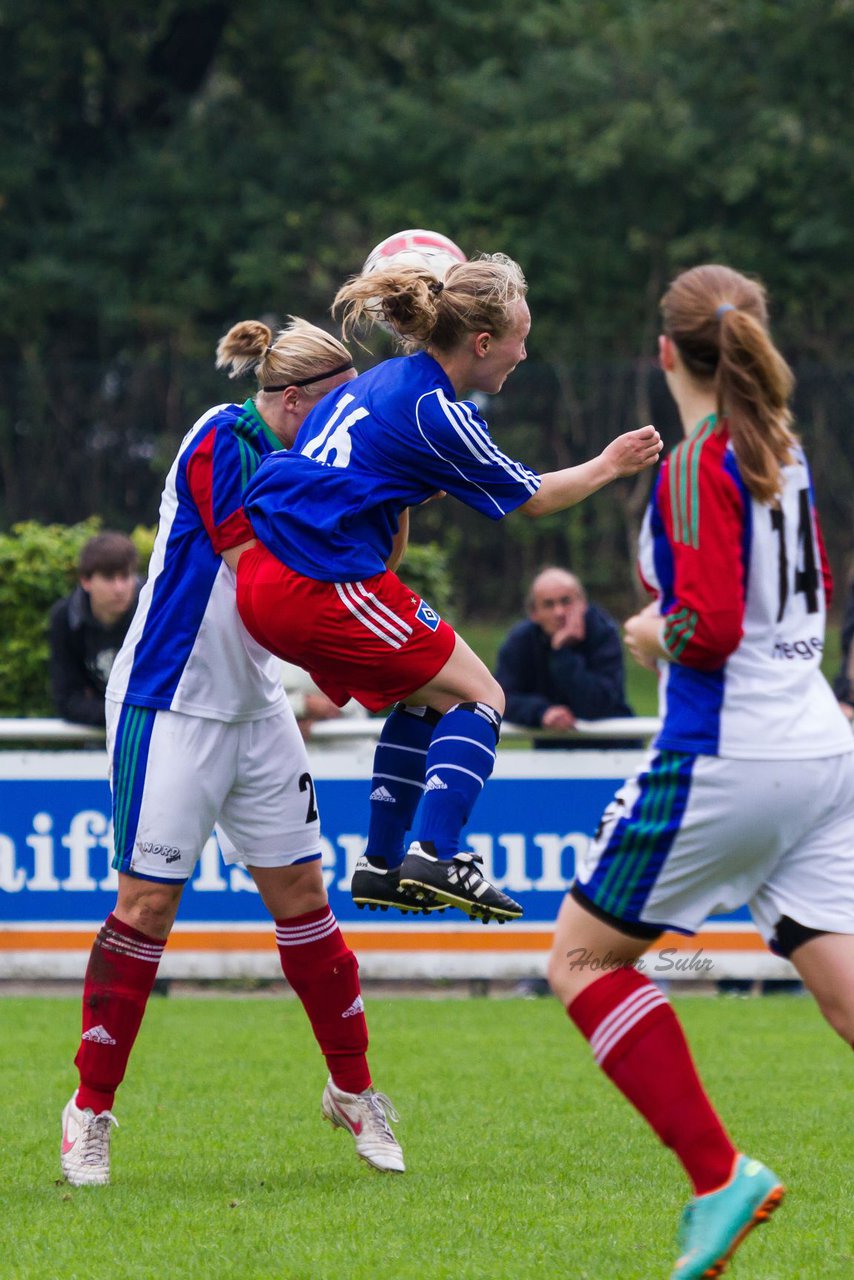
565 663
87 628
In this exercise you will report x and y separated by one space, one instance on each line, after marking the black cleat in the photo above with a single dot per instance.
378 887
456 882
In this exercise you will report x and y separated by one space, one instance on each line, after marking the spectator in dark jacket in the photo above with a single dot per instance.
843 685
565 662
87 629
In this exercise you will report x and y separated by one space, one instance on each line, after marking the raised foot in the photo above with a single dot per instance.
456 882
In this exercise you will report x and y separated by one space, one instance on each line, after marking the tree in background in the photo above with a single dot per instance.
169 169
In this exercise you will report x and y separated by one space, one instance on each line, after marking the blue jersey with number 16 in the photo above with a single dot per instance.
387 440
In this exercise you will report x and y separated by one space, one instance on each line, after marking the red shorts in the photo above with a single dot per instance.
375 641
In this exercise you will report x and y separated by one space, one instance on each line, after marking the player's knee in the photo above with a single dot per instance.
291 891
148 907
485 690
839 1012
493 695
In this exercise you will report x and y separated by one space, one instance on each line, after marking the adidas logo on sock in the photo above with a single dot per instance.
356 1007
380 793
98 1035
436 784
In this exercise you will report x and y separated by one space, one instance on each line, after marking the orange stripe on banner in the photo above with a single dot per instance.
476 940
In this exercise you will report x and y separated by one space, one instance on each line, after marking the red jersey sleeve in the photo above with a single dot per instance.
702 508
826 575
218 471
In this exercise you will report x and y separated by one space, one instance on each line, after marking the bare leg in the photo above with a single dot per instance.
290 891
582 948
464 678
826 965
147 905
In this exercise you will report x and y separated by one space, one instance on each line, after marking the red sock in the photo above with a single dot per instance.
324 973
119 977
637 1041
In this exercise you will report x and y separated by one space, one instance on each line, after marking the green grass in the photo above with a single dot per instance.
523 1162
641 685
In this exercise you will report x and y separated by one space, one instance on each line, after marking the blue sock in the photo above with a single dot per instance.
460 759
400 762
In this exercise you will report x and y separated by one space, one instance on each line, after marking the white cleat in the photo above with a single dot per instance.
85 1149
366 1116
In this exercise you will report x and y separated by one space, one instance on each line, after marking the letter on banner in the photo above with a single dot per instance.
12 878
553 848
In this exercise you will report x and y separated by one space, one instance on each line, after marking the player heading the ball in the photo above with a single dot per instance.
331 519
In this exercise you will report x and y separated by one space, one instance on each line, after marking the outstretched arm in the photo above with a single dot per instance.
624 456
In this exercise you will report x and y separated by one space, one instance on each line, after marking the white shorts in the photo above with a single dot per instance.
692 836
174 776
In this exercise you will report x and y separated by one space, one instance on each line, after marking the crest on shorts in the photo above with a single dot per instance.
428 616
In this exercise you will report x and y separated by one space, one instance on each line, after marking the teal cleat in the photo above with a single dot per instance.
714 1225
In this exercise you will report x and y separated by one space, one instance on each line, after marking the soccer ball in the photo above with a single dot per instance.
415 248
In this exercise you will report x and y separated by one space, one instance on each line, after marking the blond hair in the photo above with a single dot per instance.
475 297
300 350
718 320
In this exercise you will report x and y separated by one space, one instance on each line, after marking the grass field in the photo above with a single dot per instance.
523 1162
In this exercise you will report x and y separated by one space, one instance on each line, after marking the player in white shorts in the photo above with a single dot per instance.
748 795
200 733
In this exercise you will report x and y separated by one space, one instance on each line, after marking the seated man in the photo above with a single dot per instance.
564 663
88 627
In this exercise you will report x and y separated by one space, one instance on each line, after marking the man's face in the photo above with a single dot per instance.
556 596
110 594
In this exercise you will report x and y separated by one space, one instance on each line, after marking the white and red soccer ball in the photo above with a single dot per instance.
415 248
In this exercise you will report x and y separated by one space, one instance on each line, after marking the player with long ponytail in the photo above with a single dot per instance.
748 795
718 320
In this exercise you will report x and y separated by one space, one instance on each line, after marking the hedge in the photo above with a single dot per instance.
38 565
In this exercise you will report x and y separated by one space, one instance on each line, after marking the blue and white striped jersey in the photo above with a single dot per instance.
388 440
187 649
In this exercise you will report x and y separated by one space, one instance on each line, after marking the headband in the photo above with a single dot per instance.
305 382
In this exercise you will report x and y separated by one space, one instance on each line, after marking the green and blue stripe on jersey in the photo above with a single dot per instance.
637 847
130 758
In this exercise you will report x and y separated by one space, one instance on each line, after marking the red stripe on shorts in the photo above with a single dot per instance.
361 640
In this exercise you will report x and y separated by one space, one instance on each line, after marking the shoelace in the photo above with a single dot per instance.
471 876
383 1110
96 1136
